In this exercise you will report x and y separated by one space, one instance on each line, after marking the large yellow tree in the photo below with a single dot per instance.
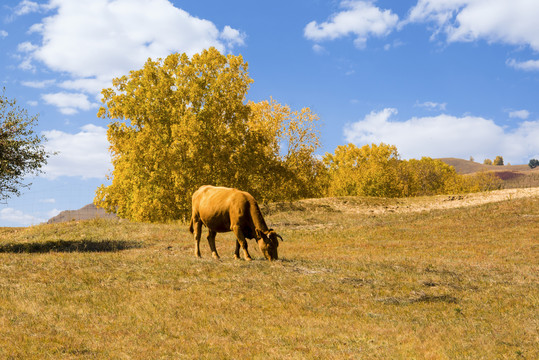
183 122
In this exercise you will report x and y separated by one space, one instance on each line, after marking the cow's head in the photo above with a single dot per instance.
268 241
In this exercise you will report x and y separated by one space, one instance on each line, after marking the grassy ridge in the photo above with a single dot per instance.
459 283
512 176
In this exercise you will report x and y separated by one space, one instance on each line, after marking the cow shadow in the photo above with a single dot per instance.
68 246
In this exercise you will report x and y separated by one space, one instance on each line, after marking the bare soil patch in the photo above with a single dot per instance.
376 206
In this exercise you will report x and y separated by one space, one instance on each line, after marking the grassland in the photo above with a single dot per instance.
455 283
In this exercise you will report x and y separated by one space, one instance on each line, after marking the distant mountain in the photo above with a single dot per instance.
469 167
89 211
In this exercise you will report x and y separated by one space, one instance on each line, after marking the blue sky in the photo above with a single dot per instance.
438 78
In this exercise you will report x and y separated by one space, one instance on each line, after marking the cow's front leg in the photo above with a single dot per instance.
197 234
211 241
243 243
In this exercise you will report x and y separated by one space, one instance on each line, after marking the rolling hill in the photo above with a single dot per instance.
470 167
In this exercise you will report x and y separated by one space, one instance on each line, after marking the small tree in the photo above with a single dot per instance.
21 150
487 162
498 161
533 163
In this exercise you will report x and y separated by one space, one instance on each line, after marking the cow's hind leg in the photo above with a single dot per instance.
237 252
211 241
197 233
243 243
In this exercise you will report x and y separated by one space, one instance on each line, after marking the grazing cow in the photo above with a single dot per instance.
222 210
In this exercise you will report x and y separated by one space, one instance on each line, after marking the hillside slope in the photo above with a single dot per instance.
469 167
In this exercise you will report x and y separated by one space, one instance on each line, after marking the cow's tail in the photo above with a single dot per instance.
191 227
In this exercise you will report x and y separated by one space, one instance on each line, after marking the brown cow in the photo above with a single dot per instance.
222 210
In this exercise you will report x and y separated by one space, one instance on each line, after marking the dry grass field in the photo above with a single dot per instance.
423 278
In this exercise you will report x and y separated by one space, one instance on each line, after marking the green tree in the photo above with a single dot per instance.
180 122
21 150
487 162
533 163
498 161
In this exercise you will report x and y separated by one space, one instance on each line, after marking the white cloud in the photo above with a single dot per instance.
3 34
27 7
431 105
232 36
510 22
447 136
68 103
319 49
358 18
395 44
83 154
519 114
38 84
26 64
88 85
26 47
94 41
529 65
18 217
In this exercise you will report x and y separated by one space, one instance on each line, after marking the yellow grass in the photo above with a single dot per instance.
456 283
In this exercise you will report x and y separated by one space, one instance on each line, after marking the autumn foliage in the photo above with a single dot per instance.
377 170
179 123
182 122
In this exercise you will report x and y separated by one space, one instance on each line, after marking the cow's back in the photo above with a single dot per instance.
219 208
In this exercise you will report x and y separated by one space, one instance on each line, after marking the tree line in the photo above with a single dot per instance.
182 122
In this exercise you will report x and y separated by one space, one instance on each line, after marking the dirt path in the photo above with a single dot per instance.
402 205
459 201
